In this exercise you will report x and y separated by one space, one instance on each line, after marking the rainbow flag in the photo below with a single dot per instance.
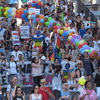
56 52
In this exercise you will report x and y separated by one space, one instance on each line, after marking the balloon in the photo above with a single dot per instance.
70 34
99 53
93 56
58 24
85 43
58 30
33 17
46 23
25 11
76 40
52 21
23 16
26 14
59 27
74 36
51 28
61 32
87 48
69 37
55 27
65 30
55 31
42 20
6 9
10 10
80 46
64 34
34 21
82 81
62 28
49 18
24 1
77 43
37 16
81 42
98 57
39 23
9 15
5 13
32 4
82 52
50 25
78 36
72 39
95 53
45 19
13 9
26 19
73 43
29 17
38 19
30 12
54 24
41 17
89 51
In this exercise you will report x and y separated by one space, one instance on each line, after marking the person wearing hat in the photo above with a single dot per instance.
45 91
94 29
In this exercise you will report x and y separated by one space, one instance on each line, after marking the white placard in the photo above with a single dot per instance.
34 10
15 37
1 35
24 32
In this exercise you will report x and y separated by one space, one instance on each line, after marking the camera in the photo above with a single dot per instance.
71 88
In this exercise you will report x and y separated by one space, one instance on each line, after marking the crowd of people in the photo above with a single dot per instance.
78 65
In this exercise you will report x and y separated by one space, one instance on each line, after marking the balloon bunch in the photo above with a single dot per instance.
5 12
82 46
1 11
35 4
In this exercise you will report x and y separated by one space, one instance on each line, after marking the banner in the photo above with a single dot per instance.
15 37
36 11
26 80
24 32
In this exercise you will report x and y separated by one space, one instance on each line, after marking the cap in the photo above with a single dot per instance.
94 22
43 81
15 2
90 22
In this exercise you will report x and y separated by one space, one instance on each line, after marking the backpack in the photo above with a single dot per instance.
12 87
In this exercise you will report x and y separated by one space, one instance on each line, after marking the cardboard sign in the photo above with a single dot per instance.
36 11
24 32
15 37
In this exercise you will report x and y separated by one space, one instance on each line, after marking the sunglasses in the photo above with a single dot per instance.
79 64
36 88
66 85
44 84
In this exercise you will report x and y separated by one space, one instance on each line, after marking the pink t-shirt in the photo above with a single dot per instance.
92 95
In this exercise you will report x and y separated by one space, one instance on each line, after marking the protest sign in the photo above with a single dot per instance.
1 35
26 80
36 11
15 37
24 32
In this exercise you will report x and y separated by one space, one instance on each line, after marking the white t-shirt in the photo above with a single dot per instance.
12 69
36 98
16 55
96 47
9 89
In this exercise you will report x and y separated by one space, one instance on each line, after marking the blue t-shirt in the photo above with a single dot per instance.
82 32
65 94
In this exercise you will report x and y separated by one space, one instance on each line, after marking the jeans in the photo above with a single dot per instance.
37 80
10 76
